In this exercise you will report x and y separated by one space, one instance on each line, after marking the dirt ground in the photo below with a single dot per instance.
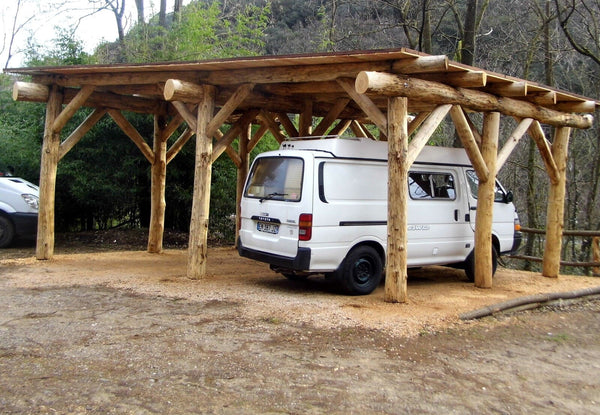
102 330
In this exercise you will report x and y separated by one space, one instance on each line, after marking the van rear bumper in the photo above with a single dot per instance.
301 262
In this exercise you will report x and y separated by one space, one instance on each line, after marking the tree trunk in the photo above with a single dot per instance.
139 5
162 14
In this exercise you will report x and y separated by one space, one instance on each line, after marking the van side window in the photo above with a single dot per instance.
276 178
473 181
431 186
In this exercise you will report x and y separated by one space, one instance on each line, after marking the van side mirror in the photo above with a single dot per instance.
508 197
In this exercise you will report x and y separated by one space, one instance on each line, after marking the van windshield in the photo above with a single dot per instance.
473 181
276 178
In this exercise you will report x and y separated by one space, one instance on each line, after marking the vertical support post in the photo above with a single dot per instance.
198 247
48 169
596 255
556 205
396 274
159 177
485 202
242 173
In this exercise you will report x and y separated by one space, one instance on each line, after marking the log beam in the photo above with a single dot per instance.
556 205
537 133
133 134
331 116
425 132
186 113
485 202
72 107
179 143
433 92
396 273
48 169
227 109
421 64
365 104
306 118
287 124
197 246
158 186
465 133
80 131
270 122
512 142
178 90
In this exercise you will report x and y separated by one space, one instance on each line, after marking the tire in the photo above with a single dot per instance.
470 264
7 232
361 271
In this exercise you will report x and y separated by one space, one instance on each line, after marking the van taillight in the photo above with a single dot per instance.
517 224
305 227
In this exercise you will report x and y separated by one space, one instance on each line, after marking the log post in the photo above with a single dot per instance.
556 205
242 173
158 184
485 202
596 255
197 247
396 274
48 169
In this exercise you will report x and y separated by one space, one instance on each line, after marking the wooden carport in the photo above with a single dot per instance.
330 93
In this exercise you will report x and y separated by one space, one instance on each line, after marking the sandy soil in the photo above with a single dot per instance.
128 332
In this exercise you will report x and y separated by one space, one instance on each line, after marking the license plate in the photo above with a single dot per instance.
267 227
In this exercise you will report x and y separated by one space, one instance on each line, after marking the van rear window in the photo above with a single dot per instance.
276 178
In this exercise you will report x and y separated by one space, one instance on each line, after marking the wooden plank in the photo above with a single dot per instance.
133 134
485 202
80 131
158 185
424 134
72 107
468 141
331 116
227 109
365 103
512 142
48 168
198 246
535 131
396 272
556 205
398 85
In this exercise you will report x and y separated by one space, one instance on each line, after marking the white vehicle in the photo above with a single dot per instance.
320 207
18 209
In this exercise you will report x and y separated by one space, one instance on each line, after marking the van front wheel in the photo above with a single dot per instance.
7 232
361 271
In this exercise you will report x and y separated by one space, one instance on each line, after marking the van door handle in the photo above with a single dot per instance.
473 208
456 215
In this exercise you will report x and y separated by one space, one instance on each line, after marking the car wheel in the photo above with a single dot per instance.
470 264
7 232
361 271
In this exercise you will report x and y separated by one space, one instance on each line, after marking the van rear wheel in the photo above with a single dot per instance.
7 232
470 264
361 271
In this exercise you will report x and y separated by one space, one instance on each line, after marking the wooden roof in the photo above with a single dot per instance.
287 83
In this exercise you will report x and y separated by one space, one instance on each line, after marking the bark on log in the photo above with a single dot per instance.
556 205
485 203
48 168
433 92
158 186
396 273
534 301
197 246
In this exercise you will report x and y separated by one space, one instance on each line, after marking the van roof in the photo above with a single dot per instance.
365 148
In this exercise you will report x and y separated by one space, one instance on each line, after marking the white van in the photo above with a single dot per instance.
18 209
320 207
